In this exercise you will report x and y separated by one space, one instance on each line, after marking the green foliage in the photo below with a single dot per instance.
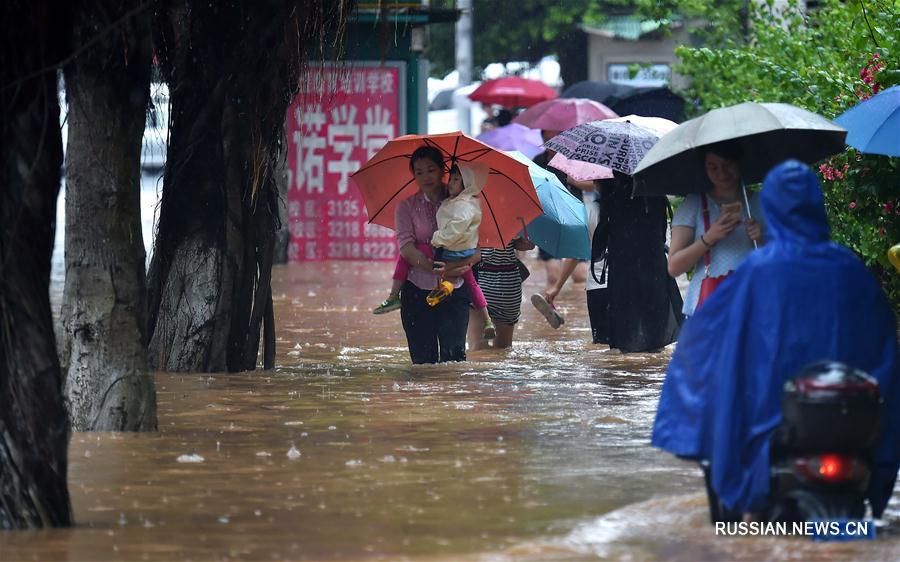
512 30
825 62
527 30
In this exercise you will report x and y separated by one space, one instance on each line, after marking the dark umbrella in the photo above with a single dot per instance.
627 100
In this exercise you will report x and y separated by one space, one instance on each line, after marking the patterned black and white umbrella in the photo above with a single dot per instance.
619 144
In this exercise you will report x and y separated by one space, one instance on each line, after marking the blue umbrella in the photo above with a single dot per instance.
562 229
873 126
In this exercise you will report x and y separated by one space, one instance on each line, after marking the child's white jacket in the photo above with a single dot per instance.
458 218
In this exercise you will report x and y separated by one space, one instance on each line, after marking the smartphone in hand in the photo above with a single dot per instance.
734 208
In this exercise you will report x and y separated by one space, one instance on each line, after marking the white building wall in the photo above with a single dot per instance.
604 51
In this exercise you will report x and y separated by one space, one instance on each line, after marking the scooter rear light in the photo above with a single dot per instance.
831 468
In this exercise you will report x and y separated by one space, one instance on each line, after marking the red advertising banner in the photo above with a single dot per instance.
340 118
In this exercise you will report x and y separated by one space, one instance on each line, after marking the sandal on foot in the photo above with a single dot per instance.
389 305
553 317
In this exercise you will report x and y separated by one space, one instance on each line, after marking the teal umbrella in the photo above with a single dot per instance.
562 230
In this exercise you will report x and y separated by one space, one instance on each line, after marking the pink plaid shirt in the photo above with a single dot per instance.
416 221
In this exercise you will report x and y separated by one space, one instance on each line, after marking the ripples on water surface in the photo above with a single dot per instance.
346 451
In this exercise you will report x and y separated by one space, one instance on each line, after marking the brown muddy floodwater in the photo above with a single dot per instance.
347 452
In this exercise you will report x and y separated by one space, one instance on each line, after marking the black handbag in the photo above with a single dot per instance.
523 271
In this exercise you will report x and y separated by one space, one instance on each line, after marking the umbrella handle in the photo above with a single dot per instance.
524 230
747 204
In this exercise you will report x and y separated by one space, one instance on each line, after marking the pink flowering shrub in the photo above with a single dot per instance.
867 75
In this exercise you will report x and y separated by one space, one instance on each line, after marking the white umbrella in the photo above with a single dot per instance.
768 133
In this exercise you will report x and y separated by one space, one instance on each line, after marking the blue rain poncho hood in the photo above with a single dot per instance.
798 299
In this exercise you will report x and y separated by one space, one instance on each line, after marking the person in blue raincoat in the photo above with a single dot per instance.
799 299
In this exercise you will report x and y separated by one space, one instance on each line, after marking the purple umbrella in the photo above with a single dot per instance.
514 137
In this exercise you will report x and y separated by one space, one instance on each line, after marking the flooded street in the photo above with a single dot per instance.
347 452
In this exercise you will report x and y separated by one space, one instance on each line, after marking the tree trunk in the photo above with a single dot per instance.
232 68
108 385
572 49
188 309
190 277
34 426
283 235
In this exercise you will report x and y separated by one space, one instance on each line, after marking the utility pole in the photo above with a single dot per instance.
464 61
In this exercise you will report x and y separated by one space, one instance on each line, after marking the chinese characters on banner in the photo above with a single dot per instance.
340 118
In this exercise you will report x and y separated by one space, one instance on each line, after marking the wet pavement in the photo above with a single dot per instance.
347 452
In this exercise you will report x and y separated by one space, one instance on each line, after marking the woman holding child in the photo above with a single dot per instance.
434 333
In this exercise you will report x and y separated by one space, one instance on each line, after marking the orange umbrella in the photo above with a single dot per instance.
507 200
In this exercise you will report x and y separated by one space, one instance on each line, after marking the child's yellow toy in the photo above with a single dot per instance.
439 293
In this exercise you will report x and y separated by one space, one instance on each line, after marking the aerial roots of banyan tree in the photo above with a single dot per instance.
232 70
